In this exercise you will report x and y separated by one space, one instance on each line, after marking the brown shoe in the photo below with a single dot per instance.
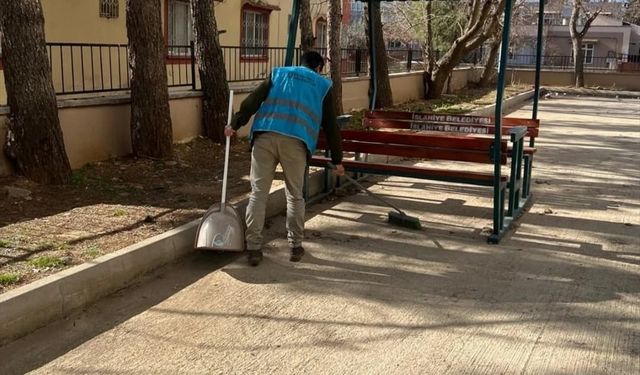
254 257
296 254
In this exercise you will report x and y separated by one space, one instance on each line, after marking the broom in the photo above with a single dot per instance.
397 217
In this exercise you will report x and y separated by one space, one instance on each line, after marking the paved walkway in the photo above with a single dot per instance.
560 295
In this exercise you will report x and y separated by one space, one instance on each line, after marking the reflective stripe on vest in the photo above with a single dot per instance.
294 105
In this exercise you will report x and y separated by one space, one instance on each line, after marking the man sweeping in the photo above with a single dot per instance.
291 107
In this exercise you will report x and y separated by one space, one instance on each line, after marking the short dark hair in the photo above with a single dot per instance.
312 60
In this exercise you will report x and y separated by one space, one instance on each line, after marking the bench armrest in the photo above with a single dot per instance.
342 120
518 133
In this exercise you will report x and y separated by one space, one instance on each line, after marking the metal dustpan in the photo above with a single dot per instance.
222 228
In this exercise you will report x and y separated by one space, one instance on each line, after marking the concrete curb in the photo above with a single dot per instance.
508 105
32 306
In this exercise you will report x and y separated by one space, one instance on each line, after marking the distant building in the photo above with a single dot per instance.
610 43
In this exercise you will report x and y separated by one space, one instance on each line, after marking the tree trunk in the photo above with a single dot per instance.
578 36
384 96
490 64
428 48
437 84
335 52
34 141
151 133
578 61
430 58
443 70
213 75
306 29
576 43
483 18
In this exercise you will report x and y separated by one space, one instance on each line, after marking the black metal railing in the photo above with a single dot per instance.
88 68
253 64
94 68
79 68
181 66
616 63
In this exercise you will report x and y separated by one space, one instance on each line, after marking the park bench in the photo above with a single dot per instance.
458 148
477 126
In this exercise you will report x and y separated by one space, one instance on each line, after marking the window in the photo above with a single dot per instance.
395 44
109 8
255 33
321 34
180 26
587 50
357 10
552 19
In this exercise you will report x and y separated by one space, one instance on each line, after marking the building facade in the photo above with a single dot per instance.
610 43
87 40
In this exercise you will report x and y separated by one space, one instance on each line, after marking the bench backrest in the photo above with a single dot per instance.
446 123
414 145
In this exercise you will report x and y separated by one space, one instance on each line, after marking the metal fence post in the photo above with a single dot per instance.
193 65
358 62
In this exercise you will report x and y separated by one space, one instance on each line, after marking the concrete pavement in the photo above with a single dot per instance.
559 295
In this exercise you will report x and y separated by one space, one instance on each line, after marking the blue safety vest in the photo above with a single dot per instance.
294 105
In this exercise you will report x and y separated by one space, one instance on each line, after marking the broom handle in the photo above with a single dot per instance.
356 183
226 153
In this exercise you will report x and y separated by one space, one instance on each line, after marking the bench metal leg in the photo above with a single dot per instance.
495 237
528 164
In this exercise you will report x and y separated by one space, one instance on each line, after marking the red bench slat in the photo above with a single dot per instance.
446 123
415 139
441 127
412 145
419 152
482 178
453 119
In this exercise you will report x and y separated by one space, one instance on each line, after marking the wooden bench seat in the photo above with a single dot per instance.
464 177
420 146
468 125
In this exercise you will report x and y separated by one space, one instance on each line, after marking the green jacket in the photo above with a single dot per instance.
329 125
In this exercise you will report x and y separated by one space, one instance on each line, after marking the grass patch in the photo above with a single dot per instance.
87 178
79 178
5 243
47 246
93 252
7 279
46 262
119 212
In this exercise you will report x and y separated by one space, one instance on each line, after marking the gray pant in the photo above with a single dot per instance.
269 149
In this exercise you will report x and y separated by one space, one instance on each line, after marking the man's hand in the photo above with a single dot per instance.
229 132
339 170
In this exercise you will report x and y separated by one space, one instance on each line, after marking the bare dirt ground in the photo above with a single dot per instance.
559 295
108 206
117 203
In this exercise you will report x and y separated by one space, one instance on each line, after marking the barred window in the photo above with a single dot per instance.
321 34
180 24
255 33
109 8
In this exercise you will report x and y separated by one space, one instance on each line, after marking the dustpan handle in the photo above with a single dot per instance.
226 153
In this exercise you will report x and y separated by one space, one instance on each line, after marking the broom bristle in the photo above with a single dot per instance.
404 220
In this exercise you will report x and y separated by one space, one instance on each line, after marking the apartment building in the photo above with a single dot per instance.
87 41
